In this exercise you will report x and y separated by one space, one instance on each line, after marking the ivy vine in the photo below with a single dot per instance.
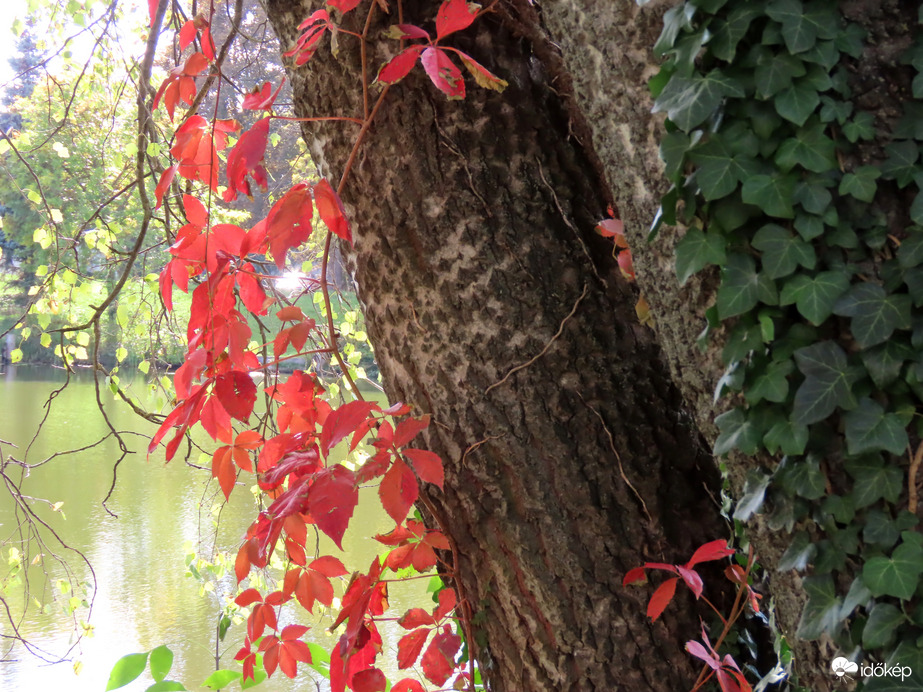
821 294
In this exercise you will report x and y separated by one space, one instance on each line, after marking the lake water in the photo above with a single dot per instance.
145 596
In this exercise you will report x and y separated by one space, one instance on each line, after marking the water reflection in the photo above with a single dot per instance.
145 596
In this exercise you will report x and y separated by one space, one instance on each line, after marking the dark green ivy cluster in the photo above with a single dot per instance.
821 288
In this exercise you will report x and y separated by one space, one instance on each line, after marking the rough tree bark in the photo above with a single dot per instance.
493 306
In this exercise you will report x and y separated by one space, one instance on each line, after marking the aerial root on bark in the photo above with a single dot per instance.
547 346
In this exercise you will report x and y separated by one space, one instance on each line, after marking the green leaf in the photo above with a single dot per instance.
741 287
782 251
884 362
787 437
737 432
875 313
799 553
827 383
125 670
880 530
823 53
815 297
799 32
861 183
166 686
689 101
718 171
812 196
861 127
809 226
822 611
161 662
874 480
674 21
771 384
696 250
910 253
870 429
797 103
802 477
728 33
916 209
673 148
895 576
221 678
776 74
754 493
810 148
772 194
851 40
901 162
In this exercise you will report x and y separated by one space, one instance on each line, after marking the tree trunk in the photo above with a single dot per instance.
494 307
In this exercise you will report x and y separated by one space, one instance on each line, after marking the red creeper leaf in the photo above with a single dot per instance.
453 16
427 465
407 685
398 491
714 550
661 598
443 72
331 210
410 646
439 657
400 65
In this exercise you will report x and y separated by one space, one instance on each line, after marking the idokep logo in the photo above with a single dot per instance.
843 666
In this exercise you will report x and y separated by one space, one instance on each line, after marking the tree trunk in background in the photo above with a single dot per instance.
493 306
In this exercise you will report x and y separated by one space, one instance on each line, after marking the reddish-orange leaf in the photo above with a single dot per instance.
248 598
427 465
447 602
661 598
331 210
407 685
714 550
262 98
454 15
692 579
400 65
246 158
223 470
152 6
331 502
288 224
165 179
400 557
195 211
328 566
371 680
398 491
290 313
208 43
237 393
443 73
415 617
343 6
633 575
187 34
408 428
410 646
344 421
423 558
439 657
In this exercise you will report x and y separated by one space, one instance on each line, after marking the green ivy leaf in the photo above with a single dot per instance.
823 53
673 148
798 31
674 21
696 250
870 429
861 183
728 33
901 164
754 493
861 127
771 384
782 251
166 686
884 362
851 40
125 670
910 253
815 297
776 73
739 291
689 101
810 148
875 313
799 553
880 530
874 480
797 103
718 171
787 437
881 628
802 477
812 196
737 432
161 662
827 383
895 576
809 226
773 194
822 611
